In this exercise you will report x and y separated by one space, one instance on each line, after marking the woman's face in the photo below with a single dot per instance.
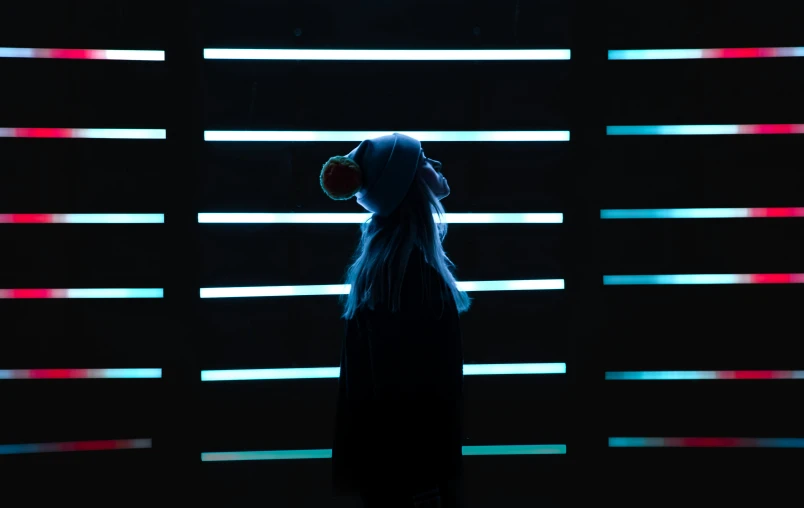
431 173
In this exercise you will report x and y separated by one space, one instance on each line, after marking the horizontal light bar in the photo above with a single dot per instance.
444 136
684 54
82 293
343 289
386 54
715 278
359 218
706 442
75 446
701 213
81 374
685 375
491 369
702 130
84 54
326 453
22 132
82 218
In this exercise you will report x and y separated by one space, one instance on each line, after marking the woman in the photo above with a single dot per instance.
398 429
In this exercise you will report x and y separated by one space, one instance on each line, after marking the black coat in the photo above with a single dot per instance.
399 422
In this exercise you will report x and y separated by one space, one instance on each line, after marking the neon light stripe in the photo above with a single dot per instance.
82 293
75 446
326 453
445 136
717 278
84 54
700 130
683 54
82 218
40 132
359 218
386 54
685 375
701 213
343 289
81 374
492 369
705 442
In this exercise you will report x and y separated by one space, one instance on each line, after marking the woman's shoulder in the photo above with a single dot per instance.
422 286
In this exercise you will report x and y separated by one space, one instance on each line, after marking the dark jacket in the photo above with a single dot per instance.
399 422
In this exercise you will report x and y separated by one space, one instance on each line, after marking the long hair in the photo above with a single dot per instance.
386 244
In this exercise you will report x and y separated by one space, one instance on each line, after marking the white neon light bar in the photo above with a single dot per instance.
82 218
343 289
491 369
359 218
61 133
386 54
685 54
332 136
84 54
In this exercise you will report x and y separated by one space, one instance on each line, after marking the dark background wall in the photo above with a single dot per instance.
592 328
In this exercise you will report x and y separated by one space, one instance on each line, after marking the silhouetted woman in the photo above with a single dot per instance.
399 423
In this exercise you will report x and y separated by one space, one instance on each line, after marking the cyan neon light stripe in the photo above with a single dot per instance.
359 218
702 213
326 453
627 280
654 54
677 213
491 369
442 136
386 54
343 289
671 130
555 449
115 293
705 442
683 54
699 130
717 278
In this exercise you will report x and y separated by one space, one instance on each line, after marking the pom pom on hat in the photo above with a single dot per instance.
341 178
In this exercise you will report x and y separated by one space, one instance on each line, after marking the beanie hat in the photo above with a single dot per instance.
380 172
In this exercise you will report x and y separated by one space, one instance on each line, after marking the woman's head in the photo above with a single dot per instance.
393 178
386 244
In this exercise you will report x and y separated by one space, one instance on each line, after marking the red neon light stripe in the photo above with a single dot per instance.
42 132
709 442
757 374
768 128
773 278
74 54
29 293
776 212
27 218
58 374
